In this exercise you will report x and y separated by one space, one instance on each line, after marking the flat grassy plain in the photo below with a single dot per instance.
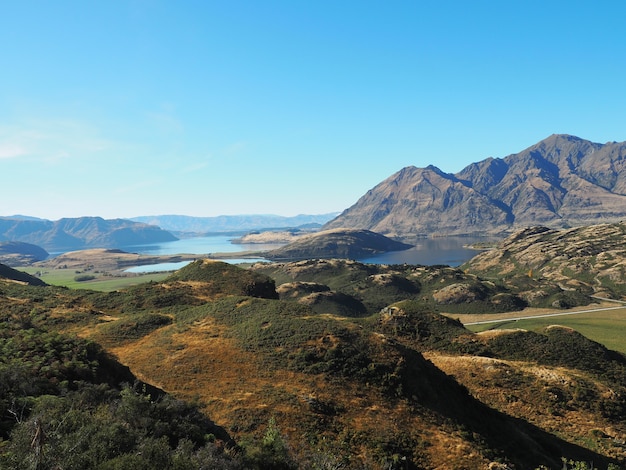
103 282
606 327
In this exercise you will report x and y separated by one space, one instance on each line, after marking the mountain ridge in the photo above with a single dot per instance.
232 223
79 233
560 181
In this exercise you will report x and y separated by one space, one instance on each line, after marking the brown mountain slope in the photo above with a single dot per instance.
421 200
561 181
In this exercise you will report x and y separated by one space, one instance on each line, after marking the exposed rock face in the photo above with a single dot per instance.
561 181
80 233
338 243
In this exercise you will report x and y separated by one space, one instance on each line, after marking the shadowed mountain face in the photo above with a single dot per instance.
559 182
19 253
80 233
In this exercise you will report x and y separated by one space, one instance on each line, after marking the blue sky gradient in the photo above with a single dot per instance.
123 108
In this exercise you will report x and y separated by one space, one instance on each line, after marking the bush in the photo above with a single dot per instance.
133 327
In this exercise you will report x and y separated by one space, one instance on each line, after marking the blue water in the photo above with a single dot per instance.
198 246
448 251
157 268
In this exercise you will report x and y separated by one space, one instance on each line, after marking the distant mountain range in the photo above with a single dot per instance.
560 182
233 223
95 232
80 233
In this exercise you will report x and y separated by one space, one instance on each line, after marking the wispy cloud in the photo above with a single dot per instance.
194 168
50 141
235 148
11 150
165 122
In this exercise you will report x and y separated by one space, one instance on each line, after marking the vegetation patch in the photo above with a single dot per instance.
132 328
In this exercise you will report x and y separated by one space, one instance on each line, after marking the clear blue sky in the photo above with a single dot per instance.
121 108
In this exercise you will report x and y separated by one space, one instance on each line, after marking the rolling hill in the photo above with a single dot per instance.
590 259
323 364
337 243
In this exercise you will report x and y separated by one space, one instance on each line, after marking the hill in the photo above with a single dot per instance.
20 254
80 233
13 275
338 243
65 402
372 376
559 182
587 259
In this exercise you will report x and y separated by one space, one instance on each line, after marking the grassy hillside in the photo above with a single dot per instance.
583 259
385 381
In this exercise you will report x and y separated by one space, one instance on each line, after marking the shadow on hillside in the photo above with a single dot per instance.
513 439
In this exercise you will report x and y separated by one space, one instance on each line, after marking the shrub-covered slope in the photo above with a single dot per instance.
14 275
304 387
337 243
443 288
588 259
67 403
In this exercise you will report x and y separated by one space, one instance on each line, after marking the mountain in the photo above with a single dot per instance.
232 223
337 243
80 233
561 181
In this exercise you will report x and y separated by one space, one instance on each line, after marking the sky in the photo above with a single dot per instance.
124 108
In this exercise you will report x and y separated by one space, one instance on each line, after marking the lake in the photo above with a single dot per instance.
450 251
199 246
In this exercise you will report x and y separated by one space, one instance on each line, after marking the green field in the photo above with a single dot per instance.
102 282
606 327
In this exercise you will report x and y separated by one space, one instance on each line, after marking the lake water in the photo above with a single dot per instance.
450 251
199 246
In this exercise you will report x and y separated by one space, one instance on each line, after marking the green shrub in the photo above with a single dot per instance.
133 327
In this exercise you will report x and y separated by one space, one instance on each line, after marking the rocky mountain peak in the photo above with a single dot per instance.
560 181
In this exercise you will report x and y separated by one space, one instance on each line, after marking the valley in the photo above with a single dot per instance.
357 365
305 357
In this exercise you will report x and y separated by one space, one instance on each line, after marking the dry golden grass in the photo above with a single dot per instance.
234 389
532 402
